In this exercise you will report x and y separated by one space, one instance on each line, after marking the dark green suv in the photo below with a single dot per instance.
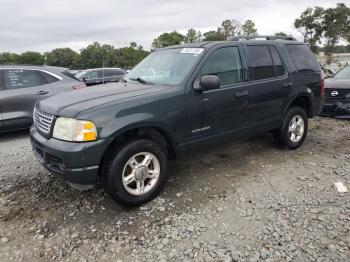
177 99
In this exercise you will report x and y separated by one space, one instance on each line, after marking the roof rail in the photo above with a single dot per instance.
267 37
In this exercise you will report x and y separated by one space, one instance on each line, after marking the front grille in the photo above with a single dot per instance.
337 93
43 121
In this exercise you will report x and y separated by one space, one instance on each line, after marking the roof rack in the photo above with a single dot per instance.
267 37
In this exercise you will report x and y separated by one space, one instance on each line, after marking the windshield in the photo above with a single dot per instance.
168 67
80 74
343 74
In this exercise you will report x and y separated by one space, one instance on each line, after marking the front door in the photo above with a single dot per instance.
23 88
222 111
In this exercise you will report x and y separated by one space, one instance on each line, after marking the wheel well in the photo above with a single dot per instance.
152 133
304 103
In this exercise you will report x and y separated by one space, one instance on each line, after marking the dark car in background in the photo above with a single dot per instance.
22 86
100 75
337 95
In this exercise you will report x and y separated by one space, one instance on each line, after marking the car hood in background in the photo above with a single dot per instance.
337 83
71 103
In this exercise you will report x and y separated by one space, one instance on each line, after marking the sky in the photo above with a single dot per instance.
42 25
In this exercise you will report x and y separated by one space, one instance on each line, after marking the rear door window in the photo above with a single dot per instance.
112 72
109 73
303 58
22 78
279 70
260 62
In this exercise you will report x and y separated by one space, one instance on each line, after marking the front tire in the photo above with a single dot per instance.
293 130
136 173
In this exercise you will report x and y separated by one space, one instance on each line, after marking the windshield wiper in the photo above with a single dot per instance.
141 80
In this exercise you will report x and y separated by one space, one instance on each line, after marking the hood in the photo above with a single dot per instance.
337 83
71 103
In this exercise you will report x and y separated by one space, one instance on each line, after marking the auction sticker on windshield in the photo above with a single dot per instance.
196 51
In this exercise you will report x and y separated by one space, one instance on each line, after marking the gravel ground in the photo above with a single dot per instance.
247 201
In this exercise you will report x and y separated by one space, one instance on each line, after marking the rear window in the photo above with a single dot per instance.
260 62
303 58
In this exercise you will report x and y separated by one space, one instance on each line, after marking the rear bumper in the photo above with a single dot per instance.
76 163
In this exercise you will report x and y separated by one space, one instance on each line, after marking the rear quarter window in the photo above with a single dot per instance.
49 78
303 58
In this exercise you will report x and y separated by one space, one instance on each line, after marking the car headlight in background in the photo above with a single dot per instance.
74 130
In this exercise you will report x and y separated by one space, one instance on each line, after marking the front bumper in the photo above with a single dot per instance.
338 109
76 163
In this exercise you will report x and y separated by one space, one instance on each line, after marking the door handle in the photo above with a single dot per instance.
242 93
42 93
287 84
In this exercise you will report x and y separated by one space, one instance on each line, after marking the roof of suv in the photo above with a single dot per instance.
209 44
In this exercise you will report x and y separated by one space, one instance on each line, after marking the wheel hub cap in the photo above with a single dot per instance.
141 173
296 128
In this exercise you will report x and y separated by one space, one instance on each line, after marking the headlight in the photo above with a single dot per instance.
70 129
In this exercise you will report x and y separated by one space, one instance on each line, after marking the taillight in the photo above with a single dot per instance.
322 87
79 86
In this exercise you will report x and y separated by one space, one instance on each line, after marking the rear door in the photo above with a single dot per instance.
23 88
270 83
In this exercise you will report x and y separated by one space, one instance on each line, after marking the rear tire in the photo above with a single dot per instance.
136 173
293 130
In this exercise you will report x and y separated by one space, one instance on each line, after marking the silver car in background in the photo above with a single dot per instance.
22 86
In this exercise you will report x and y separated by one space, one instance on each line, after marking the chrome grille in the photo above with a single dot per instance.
43 121
338 93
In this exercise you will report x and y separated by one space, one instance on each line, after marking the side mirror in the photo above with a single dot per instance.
207 82
83 79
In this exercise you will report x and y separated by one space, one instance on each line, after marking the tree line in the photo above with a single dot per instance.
93 56
322 29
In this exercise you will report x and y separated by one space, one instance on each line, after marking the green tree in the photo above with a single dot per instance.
9 58
96 55
213 36
336 26
280 34
249 29
309 24
193 36
168 39
128 57
31 58
230 28
63 57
